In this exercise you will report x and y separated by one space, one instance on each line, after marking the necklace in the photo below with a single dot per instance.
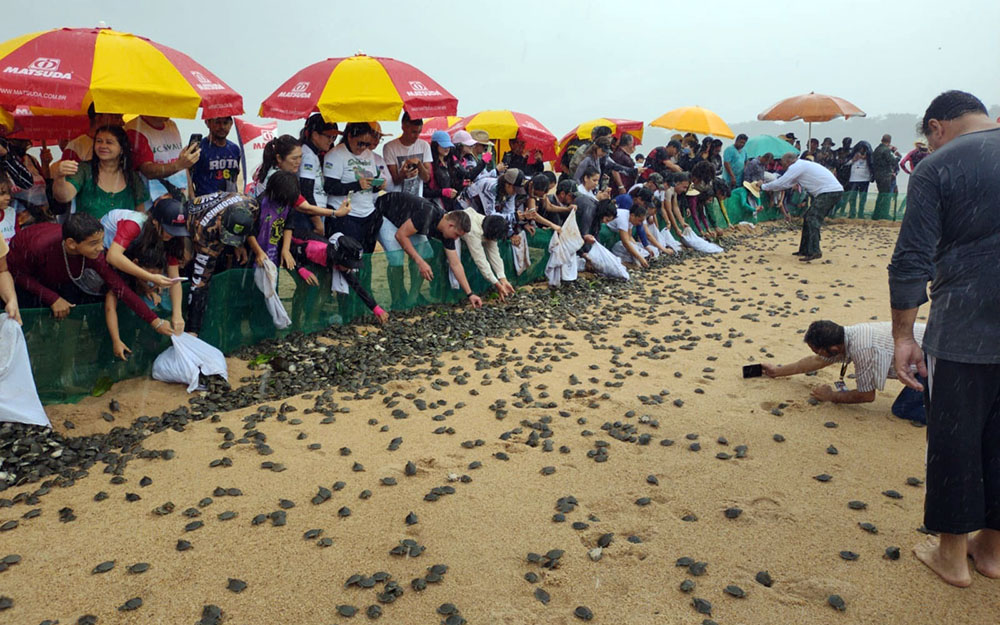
83 265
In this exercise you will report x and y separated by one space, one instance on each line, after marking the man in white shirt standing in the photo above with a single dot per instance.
408 159
825 190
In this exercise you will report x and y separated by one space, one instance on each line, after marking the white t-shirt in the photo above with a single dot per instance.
166 145
340 164
110 222
621 221
7 224
312 169
82 146
860 171
581 190
396 154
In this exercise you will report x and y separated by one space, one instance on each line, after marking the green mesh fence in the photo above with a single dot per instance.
72 358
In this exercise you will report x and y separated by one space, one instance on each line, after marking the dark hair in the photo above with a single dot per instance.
460 219
640 156
315 123
824 334
435 155
551 176
637 211
495 228
606 209
150 244
626 139
951 105
354 130
5 183
567 185
283 188
590 171
279 146
766 156
643 194
675 145
80 227
540 183
124 159
409 120
703 171
91 112
740 136
600 131
678 177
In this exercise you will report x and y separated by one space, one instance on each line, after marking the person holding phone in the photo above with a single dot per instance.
218 166
159 152
351 167
869 346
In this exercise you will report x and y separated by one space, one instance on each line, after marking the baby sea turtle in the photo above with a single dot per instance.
914 481
778 438
104 567
702 606
836 602
764 579
687 585
850 556
347 611
373 612
823 477
139 567
868 527
892 553
857 505
236 585
732 513
418 584
132 604
734 591
892 494
583 613
183 545
832 450
698 568
542 596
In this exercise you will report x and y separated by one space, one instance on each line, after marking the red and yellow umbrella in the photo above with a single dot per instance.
432 124
67 69
617 126
507 125
359 88
28 123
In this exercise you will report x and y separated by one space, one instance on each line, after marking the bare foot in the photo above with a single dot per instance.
983 550
929 552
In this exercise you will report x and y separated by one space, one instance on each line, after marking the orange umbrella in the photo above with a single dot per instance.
811 107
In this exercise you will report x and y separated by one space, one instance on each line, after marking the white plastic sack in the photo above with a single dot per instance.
266 278
618 249
521 258
185 359
19 401
699 244
563 265
667 240
606 263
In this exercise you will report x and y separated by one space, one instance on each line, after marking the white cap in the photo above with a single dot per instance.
463 137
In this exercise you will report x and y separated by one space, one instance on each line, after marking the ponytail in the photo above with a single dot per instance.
277 147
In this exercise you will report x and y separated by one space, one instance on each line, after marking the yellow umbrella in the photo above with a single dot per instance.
505 125
694 119
617 126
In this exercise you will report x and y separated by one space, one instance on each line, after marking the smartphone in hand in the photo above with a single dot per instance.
195 139
753 371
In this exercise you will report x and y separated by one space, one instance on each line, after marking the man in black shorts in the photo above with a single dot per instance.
950 236
412 215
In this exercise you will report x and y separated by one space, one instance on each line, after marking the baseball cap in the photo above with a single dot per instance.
624 201
514 176
441 138
347 252
481 136
656 178
236 224
170 215
463 137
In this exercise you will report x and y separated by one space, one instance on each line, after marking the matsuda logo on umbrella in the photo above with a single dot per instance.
205 83
43 66
417 89
300 90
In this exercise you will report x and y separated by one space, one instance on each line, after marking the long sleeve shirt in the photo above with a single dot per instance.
38 266
484 253
19 175
812 177
950 237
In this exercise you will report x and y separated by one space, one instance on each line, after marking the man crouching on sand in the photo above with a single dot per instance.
870 347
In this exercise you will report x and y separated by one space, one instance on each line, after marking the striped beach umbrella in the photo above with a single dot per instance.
694 119
506 125
67 69
359 88
617 126
431 124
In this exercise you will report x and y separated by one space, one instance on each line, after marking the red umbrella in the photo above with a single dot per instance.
68 68
359 88
26 124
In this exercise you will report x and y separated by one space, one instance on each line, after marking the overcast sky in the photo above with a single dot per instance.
566 61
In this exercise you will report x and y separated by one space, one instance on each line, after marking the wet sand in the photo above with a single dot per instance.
791 525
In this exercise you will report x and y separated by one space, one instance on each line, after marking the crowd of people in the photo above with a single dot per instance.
130 212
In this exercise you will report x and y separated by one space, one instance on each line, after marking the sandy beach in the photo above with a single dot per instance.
660 366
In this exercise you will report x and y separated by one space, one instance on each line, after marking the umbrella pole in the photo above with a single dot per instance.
810 133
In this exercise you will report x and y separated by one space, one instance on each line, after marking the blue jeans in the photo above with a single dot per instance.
910 404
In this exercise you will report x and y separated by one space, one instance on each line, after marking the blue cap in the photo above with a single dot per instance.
624 201
441 138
